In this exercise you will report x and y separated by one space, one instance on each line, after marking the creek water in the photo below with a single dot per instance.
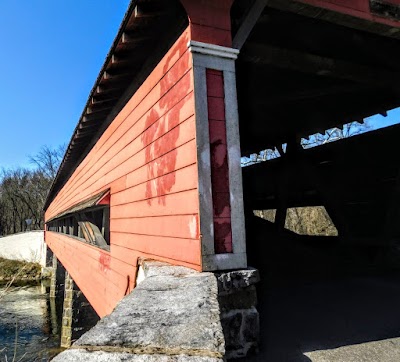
28 324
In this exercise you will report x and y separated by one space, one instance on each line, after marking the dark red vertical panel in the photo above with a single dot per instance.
219 162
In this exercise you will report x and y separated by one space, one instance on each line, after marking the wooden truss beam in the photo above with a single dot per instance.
249 22
317 65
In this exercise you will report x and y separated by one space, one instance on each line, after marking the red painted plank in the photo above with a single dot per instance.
178 158
169 143
126 246
174 204
176 226
177 181
125 149
210 20
178 50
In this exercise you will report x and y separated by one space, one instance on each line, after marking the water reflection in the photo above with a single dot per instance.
26 332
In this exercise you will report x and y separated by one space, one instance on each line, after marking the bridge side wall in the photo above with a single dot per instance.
147 158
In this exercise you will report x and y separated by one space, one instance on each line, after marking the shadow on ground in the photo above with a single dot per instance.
320 297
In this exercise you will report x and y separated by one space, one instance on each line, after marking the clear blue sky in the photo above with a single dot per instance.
51 53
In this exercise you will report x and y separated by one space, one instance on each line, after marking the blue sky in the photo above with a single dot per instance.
51 53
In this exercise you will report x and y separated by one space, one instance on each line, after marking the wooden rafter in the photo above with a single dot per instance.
317 65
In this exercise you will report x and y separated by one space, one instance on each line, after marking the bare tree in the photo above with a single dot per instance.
48 160
23 191
318 139
336 133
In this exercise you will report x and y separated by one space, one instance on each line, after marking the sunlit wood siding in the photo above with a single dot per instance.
147 158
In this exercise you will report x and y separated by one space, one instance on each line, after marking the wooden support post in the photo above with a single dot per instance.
248 23
331 203
283 187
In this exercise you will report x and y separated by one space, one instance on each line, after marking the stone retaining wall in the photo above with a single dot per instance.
176 315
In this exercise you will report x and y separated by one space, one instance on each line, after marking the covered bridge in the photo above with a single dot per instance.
153 168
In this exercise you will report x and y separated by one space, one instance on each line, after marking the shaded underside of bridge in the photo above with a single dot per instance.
301 72
355 178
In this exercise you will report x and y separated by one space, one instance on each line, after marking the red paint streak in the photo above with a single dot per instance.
155 134
104 262
219 162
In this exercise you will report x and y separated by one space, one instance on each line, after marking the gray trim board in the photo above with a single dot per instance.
235 170
207 56
203 161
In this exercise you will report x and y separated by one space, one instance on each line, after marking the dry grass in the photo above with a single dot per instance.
15 271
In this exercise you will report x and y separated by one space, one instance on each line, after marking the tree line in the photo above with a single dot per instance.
23 191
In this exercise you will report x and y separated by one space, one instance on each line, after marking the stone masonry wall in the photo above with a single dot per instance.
78 316
176 314
237 299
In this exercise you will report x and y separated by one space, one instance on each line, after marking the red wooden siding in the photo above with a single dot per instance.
147 158
357 8
108 279
219 162
210 21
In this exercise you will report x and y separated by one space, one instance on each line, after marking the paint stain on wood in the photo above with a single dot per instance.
158 133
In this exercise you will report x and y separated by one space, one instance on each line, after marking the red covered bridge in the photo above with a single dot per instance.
153 169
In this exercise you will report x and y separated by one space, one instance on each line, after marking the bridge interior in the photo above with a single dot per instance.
299 73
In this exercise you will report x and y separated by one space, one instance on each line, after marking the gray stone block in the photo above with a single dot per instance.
242 299
251 325
79 355
232 326
231 282
165 314
156 268
241 331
